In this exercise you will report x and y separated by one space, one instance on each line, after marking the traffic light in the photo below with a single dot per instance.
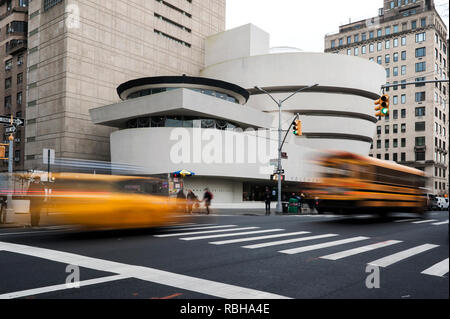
382 105
298 128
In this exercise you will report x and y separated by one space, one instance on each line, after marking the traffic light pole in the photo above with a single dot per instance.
279 208
9 209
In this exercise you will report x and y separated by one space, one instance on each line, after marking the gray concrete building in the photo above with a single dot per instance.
81 51
409 39
13 81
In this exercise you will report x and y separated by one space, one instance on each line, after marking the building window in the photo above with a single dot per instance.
363 37
420 156
387 44
421 52
363 49
403 142
420 141
420 126
387 58
403 128
423 22
378 144
395 71
388 30
420 96
395 41
48 4
395 128
420 37
379 33
386 144
395 157
379 61
349 40
421 67
421 79
388 72
414 25
386 129
378 130
19 98
341 41
403 41
371 47
333 43
420 111
403 55
403 157
356 38
403 113
8 83
386 157
403 99
395 99
8 101
379 46
349 51
356 51
395 57
395 112
19 78
395 143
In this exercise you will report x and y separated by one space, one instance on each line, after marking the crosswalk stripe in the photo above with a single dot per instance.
200 228
359 250
440 223
406 220
232 234
324 245
439 269
204 232
394 258
425 221
240 240
288 241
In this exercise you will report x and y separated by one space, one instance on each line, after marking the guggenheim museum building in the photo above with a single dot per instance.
222 128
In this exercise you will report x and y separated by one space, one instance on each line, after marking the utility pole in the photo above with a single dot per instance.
279 208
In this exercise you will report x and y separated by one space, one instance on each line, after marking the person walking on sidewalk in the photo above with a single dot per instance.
207 198
36 191
267 200
191 200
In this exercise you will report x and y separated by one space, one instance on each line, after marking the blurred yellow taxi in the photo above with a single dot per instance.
110 201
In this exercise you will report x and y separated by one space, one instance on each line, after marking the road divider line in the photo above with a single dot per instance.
394 258
439 269
240 240
360 250
440 223
425 221
43 290
288 241
200 228
324 245
406 220
204 232
198 285
232 234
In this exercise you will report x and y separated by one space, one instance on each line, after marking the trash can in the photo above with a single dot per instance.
294 205
285 206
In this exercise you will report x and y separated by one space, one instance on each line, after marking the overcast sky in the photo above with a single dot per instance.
304 23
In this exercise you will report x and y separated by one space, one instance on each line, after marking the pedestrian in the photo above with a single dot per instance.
191 200
207 198
36 191
3 207
181 200
267 200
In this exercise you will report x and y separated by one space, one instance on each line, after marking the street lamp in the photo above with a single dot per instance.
279 209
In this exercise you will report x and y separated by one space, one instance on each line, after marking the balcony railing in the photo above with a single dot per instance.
15 46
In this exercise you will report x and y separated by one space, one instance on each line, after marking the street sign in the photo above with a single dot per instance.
11 129
7 120
45 156
274 162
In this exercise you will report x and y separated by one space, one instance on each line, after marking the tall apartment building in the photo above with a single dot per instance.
409 39
80 51
13 70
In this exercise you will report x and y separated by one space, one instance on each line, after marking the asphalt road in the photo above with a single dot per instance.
234 257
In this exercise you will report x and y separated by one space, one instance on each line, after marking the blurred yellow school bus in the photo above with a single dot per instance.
110 201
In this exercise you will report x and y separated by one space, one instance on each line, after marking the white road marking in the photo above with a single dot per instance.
425 221
406 220
202 286
204 232
207 227
392 259
43 290
360 250
35 232
240 240
439 269
324 245
288 241
440 223
232 234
